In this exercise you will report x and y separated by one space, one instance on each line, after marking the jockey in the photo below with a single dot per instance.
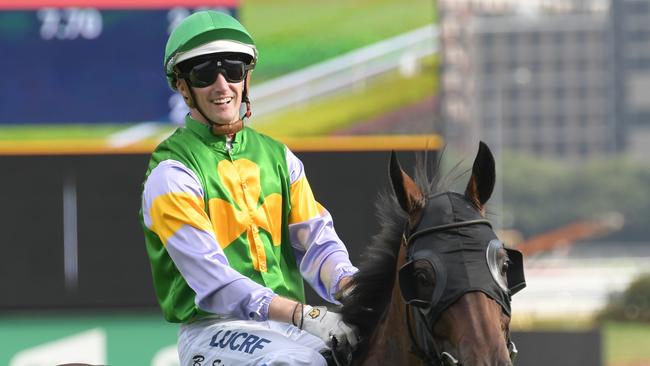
231 224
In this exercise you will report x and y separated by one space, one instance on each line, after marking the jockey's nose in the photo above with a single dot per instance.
221 81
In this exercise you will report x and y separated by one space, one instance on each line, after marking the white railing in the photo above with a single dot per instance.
562 286
345 71
338 74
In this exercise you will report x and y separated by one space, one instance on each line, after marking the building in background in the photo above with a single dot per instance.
630 27
540 84
541 76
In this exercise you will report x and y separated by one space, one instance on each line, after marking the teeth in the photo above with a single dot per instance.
222 100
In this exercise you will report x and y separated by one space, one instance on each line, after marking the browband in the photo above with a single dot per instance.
446 227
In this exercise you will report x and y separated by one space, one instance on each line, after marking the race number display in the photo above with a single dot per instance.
88 61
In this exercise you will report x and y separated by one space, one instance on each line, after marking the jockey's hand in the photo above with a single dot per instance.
329 327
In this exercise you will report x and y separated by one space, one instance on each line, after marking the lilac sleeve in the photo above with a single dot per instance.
321 255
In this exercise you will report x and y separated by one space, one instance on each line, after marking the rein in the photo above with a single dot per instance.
420 353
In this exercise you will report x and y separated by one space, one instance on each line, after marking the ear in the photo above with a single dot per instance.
481 183
408 194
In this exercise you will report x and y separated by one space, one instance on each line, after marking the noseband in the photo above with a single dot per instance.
424 313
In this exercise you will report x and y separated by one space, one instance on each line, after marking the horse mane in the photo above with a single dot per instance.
368 293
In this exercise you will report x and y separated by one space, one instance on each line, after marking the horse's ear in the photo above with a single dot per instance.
408 194
481 183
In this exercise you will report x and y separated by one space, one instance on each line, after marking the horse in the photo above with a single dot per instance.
435 285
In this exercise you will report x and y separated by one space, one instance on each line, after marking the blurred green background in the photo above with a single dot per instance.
290 36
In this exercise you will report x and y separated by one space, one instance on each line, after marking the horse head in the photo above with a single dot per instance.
451 294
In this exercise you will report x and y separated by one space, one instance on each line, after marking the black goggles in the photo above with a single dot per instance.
205 73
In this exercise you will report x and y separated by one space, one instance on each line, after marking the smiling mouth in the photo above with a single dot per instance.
222 101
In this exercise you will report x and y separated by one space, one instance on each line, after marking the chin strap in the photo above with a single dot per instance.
228 129
239 124
196 106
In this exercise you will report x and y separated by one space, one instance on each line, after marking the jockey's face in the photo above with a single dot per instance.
217 87
219 101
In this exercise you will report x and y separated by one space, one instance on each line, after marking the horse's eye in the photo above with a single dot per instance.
505 267
423 279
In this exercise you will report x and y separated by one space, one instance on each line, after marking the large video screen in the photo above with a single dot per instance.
64 62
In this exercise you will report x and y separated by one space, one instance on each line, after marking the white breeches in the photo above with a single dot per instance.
219 342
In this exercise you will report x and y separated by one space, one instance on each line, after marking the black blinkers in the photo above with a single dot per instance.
452 251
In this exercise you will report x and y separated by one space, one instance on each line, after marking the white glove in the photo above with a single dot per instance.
329 327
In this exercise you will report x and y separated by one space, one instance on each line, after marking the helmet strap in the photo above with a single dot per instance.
228 129
198 108
219 129
189 99
245 96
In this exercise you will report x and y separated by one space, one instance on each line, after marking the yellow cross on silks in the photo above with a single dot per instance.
241 178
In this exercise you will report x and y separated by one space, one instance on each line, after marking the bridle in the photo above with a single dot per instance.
436 357
430 353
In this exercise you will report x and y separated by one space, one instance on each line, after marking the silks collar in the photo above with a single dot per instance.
205 133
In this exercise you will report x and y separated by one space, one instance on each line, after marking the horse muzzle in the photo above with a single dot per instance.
446 359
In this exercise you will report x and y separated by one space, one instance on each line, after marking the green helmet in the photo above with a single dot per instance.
202 33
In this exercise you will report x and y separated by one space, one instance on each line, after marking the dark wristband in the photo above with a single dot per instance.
293 314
